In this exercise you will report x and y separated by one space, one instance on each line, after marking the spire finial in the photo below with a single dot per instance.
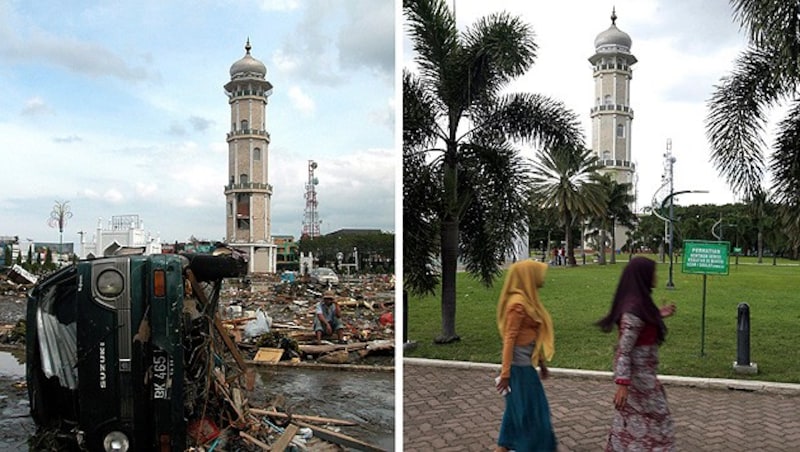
247 46
613 15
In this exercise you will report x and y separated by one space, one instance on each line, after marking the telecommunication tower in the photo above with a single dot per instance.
311 219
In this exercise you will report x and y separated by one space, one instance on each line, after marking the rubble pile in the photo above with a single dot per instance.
235 323
271 320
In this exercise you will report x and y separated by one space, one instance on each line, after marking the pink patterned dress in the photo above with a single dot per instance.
644 422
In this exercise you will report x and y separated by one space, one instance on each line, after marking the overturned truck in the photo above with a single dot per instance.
121 350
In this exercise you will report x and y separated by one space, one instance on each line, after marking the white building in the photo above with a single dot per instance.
123 232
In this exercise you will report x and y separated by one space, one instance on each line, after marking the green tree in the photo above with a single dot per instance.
764 75
616 211
566 178
460 123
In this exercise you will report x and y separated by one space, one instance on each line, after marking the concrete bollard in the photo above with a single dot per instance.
407 345
742 364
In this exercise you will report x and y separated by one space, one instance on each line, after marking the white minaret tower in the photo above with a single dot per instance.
611 114
248 192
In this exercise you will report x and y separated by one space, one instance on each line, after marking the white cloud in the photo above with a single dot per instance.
113 196
36 106
301 101
146 190
279 5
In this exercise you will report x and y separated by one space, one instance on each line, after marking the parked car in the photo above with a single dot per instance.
114 353
323 275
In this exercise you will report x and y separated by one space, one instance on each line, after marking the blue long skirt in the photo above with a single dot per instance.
526 425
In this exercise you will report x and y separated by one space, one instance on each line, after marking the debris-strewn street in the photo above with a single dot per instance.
263 325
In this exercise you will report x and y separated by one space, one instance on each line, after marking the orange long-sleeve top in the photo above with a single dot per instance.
520 329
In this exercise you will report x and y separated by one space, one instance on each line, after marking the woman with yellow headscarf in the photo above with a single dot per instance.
527 332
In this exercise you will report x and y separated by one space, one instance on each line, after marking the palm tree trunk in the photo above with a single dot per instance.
760 246
449 262
570 252
601 259
613 241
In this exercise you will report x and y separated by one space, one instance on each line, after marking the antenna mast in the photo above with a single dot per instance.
311 219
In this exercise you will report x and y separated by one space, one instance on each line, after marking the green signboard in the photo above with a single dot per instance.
704 257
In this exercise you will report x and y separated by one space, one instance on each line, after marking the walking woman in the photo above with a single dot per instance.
642 419
527 332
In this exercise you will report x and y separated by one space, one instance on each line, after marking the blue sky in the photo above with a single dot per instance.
119 108
683 48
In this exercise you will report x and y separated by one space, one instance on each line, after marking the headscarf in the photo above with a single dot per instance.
521 284
634 296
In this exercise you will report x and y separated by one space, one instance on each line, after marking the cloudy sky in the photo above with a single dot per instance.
119 108
683 47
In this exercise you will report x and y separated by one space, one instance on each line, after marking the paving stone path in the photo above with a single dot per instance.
457 409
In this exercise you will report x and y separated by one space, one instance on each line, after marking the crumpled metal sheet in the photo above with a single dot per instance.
58 343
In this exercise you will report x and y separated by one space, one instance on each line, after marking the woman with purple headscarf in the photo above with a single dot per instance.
642 419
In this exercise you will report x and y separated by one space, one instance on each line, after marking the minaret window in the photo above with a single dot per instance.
257 154
606 155
607 99
244 125
620 131
243 179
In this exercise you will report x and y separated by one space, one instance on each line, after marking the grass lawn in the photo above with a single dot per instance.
577 297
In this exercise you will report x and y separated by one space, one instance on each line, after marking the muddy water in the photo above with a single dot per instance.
12 363
361 396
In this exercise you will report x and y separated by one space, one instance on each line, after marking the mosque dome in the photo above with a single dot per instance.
248 65
613 36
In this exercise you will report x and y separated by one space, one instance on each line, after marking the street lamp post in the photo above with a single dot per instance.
670 220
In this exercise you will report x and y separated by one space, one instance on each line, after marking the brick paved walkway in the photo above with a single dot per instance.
457 409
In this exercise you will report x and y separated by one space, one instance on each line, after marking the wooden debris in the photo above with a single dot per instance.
340 438
313 349
285 438
252 440
268 355
302 417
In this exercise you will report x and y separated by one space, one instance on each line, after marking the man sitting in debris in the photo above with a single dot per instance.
326 318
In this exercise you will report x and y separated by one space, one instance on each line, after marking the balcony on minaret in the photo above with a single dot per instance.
244 132
612 108
248 187
611 67
610 163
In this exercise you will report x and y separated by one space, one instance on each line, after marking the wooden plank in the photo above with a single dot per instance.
253 440
319 349
285 438
302 417
268 355
198 291
340 438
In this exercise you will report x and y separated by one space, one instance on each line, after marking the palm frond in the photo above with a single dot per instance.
736 120
773 24
497 49
530 117
420 126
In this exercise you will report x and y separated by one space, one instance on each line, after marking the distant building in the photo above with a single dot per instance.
248 192
122 231
288 252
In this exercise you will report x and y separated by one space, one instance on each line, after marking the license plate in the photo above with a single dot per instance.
162 374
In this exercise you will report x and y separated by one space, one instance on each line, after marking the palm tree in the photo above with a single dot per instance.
616 211
464 182
566 178
764 75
